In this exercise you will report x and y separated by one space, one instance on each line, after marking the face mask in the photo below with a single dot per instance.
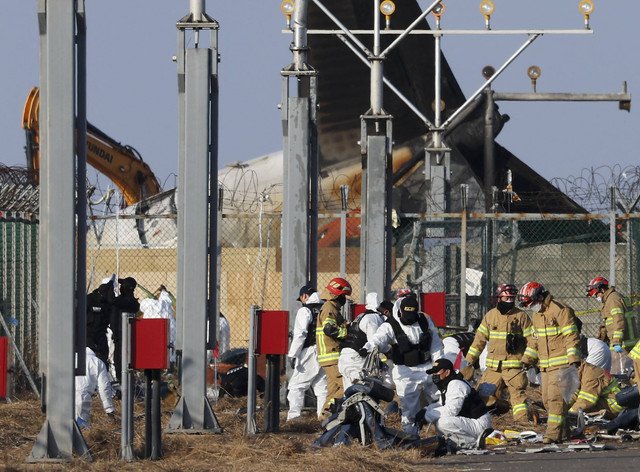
342 299
436 380
408 318
536 306
504 307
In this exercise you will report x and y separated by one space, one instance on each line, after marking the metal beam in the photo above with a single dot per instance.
562 97
59 437
193 413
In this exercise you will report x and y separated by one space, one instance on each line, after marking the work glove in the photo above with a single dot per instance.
420 420
363 352
617 348
292 363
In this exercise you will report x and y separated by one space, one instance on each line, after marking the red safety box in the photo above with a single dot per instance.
273 332
150 343
434 305
356 309
4 365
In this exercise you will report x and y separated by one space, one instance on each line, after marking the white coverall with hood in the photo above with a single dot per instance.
464 432
307 371
96 376
351 362
411 382
161 308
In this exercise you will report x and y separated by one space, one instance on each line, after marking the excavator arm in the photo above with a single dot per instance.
120 163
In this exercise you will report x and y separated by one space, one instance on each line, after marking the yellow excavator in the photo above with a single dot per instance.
120 163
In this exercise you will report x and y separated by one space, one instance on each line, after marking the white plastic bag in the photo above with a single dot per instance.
568 381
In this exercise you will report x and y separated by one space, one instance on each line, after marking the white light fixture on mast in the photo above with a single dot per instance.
534 73
586 8
487 8
438 10
288 7
387 7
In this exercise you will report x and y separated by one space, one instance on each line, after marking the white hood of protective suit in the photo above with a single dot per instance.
314 298
372 301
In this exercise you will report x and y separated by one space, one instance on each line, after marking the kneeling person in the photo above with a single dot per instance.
461 416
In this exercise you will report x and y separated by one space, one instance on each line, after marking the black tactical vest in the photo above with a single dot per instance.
406 353
473 406
356 338
311 329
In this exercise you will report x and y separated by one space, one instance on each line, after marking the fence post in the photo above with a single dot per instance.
612 237
464 188
251 427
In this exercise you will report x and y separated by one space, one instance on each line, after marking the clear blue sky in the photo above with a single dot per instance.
132 92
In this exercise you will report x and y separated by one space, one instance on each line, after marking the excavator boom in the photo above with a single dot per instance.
120 163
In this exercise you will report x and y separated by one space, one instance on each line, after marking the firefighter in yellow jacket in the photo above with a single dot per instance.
597 392
331 329
505 329
555 344
618 319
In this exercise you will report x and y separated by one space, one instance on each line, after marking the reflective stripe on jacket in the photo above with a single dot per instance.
494 330
619 320
597 390
555 342
329 347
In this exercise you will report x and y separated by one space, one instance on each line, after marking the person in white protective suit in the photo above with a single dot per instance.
96 377
360 330
224 339
594 351
162 308
415 345
460 416
303 356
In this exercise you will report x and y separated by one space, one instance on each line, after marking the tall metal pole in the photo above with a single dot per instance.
376 143
489 150
464 189
197 161
127 390
251 427
300 171
59 437
612 237
344 198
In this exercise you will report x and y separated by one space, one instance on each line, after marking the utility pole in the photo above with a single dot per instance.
300 173
62 292
197 225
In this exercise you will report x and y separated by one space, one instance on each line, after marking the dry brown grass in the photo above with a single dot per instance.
287 450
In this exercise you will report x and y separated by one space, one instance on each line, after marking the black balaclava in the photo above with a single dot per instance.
504 307
409 310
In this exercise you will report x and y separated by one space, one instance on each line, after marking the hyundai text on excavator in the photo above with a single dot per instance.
120 163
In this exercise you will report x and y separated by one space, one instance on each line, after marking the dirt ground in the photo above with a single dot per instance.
287 450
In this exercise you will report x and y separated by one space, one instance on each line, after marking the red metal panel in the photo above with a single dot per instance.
4 365
433 304
356 309
149 343
273 332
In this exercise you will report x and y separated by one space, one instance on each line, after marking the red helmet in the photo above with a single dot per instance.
595 285
339 286
507 290
529 293
403 292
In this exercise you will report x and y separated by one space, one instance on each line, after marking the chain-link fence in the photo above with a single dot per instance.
562 252
19 290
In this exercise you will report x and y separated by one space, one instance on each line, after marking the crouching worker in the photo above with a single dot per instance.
597 392
460 416
95 377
